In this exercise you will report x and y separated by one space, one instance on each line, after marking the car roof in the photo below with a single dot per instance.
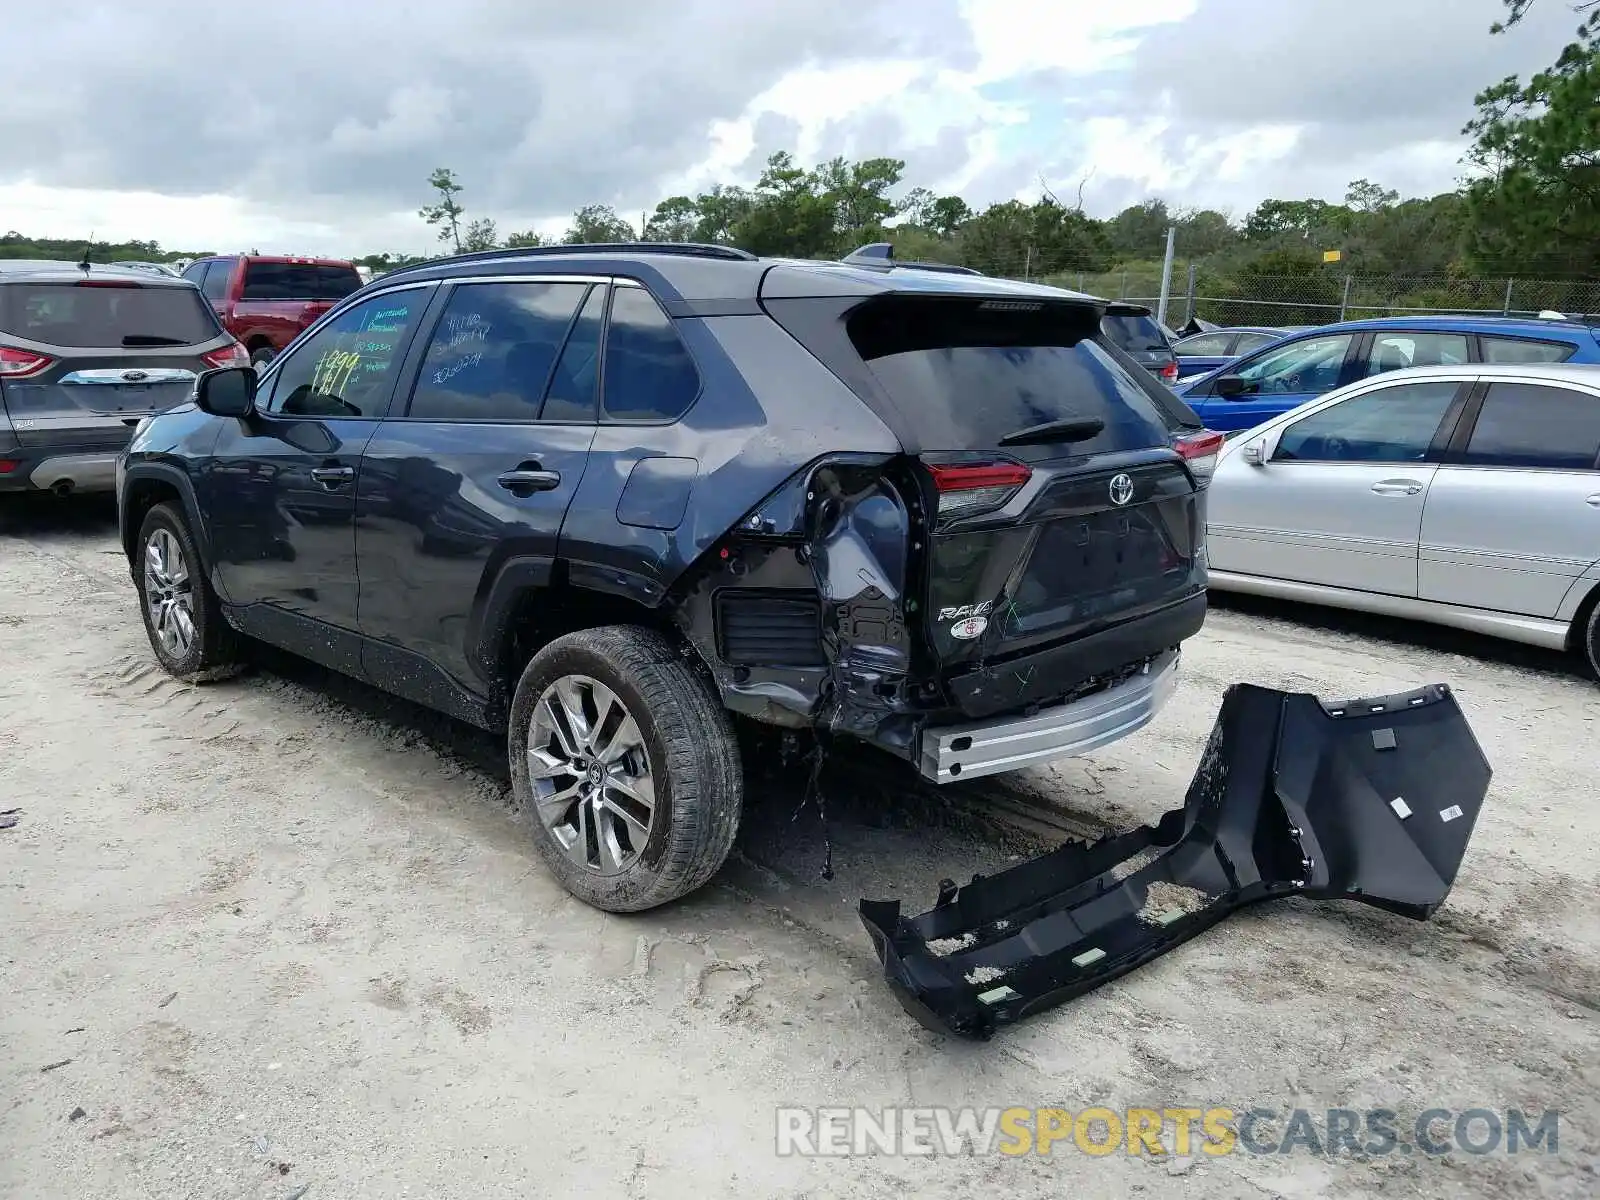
282 258
1584 373
1463 323
25 270
693 278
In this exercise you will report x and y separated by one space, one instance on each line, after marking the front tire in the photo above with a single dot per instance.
182 617
1592 641
625 766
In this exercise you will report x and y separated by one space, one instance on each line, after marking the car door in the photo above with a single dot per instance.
1513 518
280 488
1338 497
1274 380
470 479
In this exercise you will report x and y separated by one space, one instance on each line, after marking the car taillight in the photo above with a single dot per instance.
231 355
966 489
1169 373
1200 451
7 465
19 364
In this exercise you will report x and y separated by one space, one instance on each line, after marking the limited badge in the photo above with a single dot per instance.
969 627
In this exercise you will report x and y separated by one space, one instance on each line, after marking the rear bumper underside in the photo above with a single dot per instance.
1371 800
979 748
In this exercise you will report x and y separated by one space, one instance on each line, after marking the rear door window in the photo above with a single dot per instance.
219 273
1536 425
117 314
1401 349
965 373
298 281
1525 350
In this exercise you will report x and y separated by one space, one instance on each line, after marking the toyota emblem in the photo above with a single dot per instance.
133 376
1121 489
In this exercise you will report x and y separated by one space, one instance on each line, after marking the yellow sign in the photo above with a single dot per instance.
1330 256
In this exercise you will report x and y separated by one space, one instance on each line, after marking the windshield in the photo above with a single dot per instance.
965 373
1134 333
97 314
299 281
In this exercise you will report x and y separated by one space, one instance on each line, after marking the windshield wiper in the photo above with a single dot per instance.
1072 429
152 339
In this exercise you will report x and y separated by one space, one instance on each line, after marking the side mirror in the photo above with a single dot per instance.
227 392
1230 385
1259 452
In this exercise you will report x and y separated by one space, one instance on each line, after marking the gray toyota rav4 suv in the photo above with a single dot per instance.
86 352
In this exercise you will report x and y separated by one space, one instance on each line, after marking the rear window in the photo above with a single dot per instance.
298 281
1135 333
78 314
965 373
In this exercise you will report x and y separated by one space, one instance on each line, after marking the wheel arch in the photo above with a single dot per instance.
148 484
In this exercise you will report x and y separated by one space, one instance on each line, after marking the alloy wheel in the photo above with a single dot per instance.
590 771
169 594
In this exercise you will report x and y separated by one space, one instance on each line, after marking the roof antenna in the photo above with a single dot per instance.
84 265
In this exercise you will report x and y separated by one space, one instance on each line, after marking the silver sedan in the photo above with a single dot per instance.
1467 496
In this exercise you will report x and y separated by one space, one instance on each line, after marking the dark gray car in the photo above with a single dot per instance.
85 354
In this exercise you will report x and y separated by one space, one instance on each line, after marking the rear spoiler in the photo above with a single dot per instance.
879 256
1371 800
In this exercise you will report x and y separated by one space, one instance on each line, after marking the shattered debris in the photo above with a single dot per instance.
947 946
1165 901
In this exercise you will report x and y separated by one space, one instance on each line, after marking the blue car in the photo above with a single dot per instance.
1272 380
1203 352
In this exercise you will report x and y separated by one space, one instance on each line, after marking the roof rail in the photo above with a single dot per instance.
682 249
879 256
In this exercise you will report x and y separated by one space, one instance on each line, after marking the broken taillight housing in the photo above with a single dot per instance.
1200 451
231 355
966 489
19 364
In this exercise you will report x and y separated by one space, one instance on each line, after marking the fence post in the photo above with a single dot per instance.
1166 275
1027 263
1188 307
1505 310
1123 293
1344 301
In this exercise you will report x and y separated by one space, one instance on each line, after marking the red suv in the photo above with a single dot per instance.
264 300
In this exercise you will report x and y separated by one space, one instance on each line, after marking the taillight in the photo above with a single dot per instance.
231 355
19 364
1169 373
1200 451
7 465
966 489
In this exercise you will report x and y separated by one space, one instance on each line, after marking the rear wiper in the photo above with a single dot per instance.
1073 429
152 339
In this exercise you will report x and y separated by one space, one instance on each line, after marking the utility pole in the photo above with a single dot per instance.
1166 275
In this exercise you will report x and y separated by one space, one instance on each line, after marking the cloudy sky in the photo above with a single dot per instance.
312 125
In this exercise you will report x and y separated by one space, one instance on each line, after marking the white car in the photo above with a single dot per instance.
1466 495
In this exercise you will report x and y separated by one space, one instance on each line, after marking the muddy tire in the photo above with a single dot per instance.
182 618
1591 641
625 767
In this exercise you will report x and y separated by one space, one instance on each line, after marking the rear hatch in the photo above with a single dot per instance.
1059 508
298 291
82 360
1135 331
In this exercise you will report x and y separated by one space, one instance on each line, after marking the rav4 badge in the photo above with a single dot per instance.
969 627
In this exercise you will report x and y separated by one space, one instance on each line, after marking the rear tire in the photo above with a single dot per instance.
1591 643
182 617
625 767
261 356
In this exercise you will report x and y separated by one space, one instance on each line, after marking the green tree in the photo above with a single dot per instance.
481 235
675 219
1364 196
597 223
446 214
1140 231
527 238
947 215
790 215
1537 146
1204 232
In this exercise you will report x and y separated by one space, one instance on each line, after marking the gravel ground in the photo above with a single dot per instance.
282 937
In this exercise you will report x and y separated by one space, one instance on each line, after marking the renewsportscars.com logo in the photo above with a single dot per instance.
1176 1130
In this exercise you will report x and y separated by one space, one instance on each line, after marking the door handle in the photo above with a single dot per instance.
1594 500
1397 487
528 479
333 477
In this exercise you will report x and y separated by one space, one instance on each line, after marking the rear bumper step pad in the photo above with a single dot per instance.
1371 800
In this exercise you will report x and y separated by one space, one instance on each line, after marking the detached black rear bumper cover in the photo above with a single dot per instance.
1371 800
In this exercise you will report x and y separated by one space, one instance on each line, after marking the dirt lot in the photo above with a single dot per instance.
283 933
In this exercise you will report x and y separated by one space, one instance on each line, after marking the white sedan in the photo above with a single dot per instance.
1467 496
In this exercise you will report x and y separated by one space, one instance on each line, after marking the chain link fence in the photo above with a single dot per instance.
1244 297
